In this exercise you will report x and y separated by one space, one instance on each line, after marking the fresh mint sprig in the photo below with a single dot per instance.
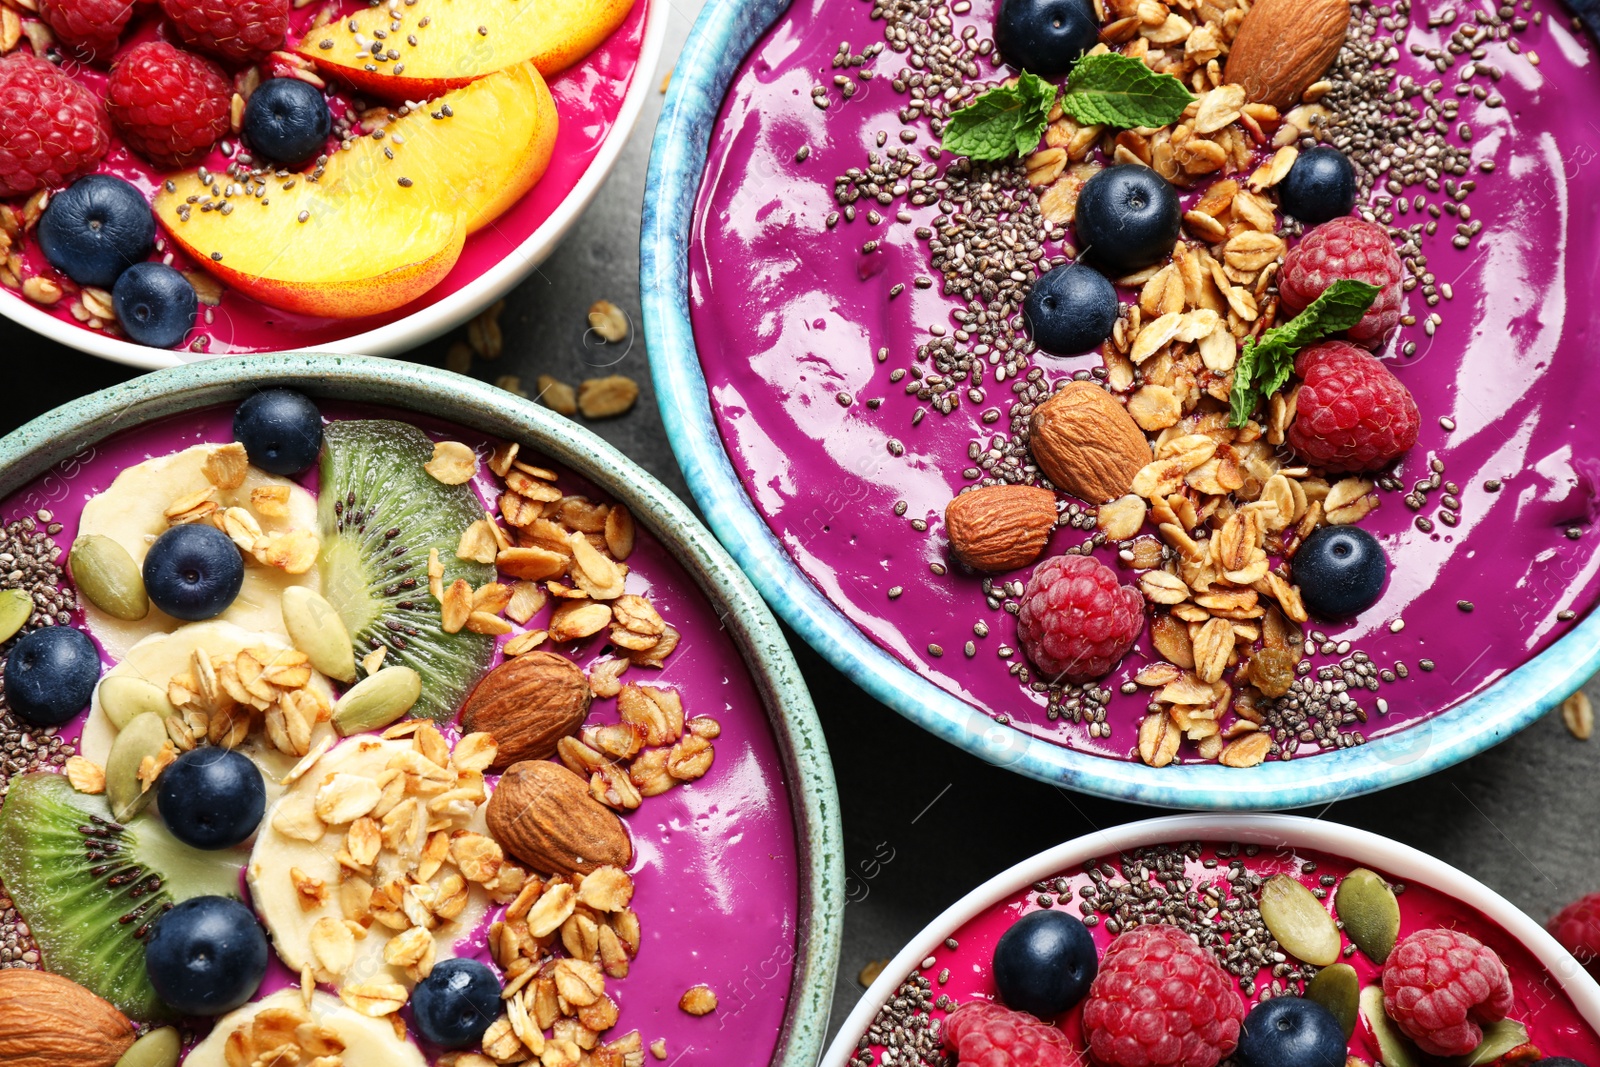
1002 122
1264 366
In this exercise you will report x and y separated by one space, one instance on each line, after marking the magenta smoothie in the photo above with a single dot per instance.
715 865
852 471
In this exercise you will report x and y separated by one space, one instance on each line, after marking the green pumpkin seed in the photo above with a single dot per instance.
16 608
158 1048
317 630
1338 988
377 700
1370 913
108 577
1394 1048
122 696
1298 920
1498 1039
143 736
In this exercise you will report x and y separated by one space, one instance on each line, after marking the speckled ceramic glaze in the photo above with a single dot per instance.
724 35
32 451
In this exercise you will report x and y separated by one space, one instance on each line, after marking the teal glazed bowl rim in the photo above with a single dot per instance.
32 450
721 38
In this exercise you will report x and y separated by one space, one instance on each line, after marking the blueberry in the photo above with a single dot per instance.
1320 186
1127 218
155 304
1045 37
287 121
193 572
1044 963
1340 571
280 429
1291 1032
212 798
1070 310
206 956
95 229
1560 1061
51 674
455 1004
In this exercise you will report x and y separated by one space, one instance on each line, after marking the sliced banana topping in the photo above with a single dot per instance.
327 1033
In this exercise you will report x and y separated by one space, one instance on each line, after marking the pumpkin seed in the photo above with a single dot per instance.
1299 921
1370 913
1338 988
377 700
16 608
158 1048
122 696
1394 1048
317 630
1498 1039
108 577
143 736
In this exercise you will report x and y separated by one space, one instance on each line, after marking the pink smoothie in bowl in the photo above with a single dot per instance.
715 879
839 274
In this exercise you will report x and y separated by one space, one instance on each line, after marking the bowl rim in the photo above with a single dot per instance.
34 449
442 315
717 45
1296 831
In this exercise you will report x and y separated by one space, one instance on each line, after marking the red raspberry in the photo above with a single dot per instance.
1160 1000
170 106
54 128
982 1034
236 30
1346 248
1441 987
1076 622
1577 927
1352 413
89 28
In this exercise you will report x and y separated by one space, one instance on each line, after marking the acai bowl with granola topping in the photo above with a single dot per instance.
327 739
1175 401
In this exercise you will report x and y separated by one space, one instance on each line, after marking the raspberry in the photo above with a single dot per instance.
1076 622
1346 248
89 28
982 1034
1160 1000
170 106
1441 987
1577 927
236 30
1352 413
54 128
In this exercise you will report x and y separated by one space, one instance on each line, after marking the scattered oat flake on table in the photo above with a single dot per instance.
608 320
1578 713
602 398
511 384
698 1000
557 395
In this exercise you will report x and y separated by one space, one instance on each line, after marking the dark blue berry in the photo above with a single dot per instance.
1071 309
1560 1061
1045 37
1044 963
1320 186
1127 218
193 572
455 1004
155 304
95 229
206 956
212 797
51 674
287 121
1340 571
281 431
1291 1032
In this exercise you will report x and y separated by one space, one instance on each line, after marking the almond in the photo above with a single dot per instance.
543 815
1285 45
1000 527
48 1021
1087 443
527 704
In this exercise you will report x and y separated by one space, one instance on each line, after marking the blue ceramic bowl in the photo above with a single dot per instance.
724 34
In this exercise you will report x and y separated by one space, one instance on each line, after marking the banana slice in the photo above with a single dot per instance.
131 511
283 1018
159 656
290 915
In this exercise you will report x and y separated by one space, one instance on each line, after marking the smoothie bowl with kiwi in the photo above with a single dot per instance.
338 734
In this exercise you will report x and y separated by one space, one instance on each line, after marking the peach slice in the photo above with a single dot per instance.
418 49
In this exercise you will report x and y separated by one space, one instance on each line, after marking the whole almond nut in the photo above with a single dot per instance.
48 1021
1000 527
1086 443
377 700
108 577
316 629
1283 46
543 815
527 704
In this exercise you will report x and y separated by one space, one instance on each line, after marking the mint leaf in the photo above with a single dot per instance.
1264 366
1116 90
1005 121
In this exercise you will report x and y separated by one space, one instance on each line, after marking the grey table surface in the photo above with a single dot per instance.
1523 817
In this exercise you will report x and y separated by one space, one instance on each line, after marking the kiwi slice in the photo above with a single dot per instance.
380 514
91 889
